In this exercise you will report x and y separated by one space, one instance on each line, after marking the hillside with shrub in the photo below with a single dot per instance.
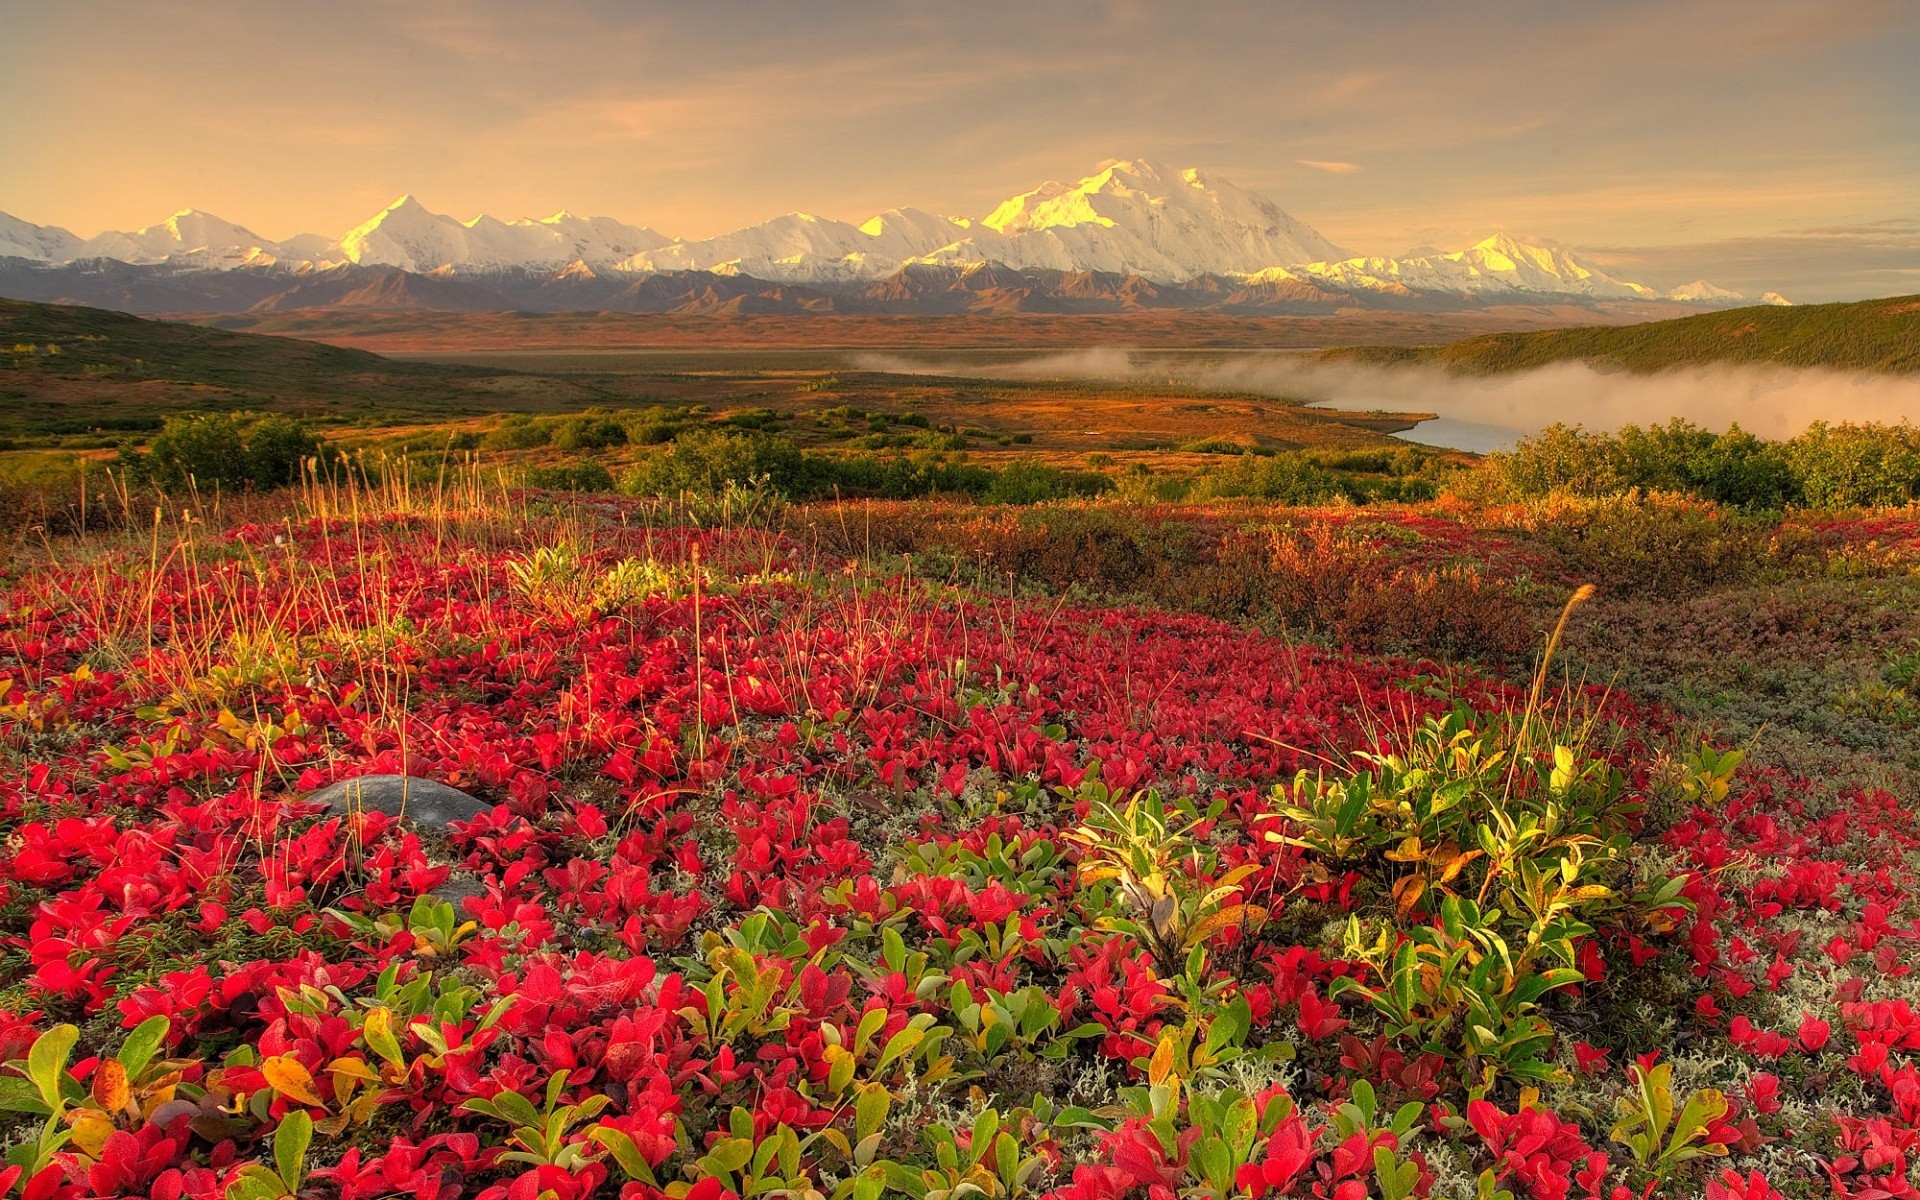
1866 335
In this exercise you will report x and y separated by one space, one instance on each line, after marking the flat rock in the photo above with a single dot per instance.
457 891
421 801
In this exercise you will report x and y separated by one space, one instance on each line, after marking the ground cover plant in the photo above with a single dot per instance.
806 870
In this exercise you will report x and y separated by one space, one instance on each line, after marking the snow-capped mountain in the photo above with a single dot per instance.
1496 266
37 243
406 235
1141 218
1168 229
803 248
188 235
1701 290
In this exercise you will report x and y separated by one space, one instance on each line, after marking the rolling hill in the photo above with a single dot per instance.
67 369
1865 335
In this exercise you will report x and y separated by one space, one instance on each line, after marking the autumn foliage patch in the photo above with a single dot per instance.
799 879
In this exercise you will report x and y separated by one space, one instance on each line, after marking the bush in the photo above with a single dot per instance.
227 453
588 432
1652 543
1288 478
707 460
1828 466
1032 482
570 477
518 433
1857 466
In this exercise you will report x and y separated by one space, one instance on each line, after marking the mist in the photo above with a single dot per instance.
1488 412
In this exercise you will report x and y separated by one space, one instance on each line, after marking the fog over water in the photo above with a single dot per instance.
1482 412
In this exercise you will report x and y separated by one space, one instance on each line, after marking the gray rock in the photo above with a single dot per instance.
457 891
421 801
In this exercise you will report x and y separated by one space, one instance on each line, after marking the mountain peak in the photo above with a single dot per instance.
1134 217
1166 224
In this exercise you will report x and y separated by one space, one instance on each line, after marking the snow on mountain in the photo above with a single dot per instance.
407 235
1701 290
1145 219
1129 218
803 248
1775 298
1496 266
40 243
188 236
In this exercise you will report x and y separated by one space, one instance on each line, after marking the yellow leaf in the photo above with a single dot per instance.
110 1090
91 1129
291 1079
1407 851
1457 864
1407 893
1234 876
353 1068
1248 915
1161 1064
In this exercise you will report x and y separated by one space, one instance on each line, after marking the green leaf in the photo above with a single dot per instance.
290 1141
625 1152
21 1096
137 1051
870 1111
728 1156
47 1063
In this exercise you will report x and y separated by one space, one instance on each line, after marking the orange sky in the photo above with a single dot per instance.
1781 136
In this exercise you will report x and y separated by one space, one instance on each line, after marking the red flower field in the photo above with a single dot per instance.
802 876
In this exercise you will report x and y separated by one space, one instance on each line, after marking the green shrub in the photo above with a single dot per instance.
518 433
588 432
570 477
1652 543
1032 482
1828 466
227 452
1287 478
707 460
1849 466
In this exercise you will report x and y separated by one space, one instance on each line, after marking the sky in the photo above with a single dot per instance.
1757 143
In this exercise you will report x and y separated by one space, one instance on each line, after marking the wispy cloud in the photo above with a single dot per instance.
1642 123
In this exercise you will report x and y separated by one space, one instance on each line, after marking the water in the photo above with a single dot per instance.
1452 433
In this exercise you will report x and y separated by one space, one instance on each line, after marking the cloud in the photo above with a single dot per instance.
1331 168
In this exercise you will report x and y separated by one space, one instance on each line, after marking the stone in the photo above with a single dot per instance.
457 891
421 801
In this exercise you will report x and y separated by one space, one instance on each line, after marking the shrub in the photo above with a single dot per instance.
1828 466
1654 543
227 452
707 460
1290 479
588 432
518 433
1343 586
570 477
1032 482
1849 466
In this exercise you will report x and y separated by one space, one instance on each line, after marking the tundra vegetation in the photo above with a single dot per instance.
882 819
1496 845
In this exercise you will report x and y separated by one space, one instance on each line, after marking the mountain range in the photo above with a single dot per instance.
1132 235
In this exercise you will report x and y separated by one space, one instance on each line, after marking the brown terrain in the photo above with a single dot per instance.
443 332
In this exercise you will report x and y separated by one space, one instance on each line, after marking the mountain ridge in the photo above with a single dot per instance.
1168 228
